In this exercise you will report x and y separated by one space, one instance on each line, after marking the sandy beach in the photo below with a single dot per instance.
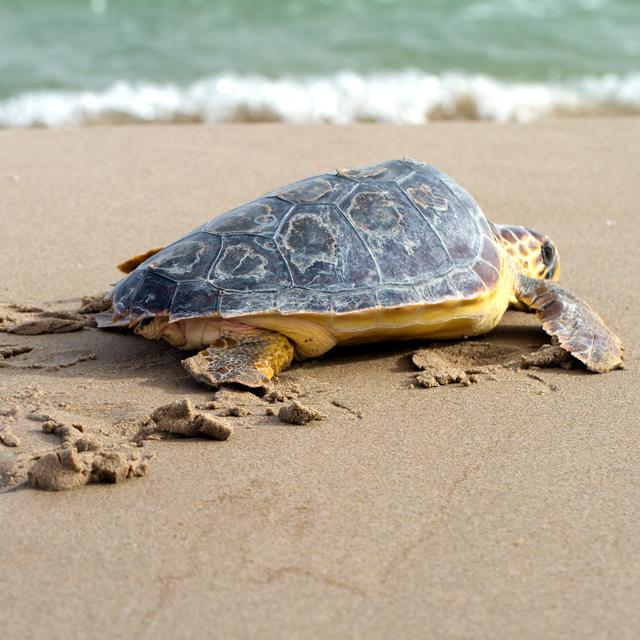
506 509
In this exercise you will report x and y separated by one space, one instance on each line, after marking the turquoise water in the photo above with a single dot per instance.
93 58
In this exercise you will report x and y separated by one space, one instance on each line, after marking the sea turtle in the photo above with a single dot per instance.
395 250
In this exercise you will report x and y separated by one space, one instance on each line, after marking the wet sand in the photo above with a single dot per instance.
508 508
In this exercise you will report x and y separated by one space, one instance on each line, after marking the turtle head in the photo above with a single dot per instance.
533 253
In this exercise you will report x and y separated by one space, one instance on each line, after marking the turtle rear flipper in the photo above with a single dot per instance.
249 358
579 329
132 263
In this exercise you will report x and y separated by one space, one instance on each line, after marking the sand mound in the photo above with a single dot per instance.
69 468
179 418
298 413
467 362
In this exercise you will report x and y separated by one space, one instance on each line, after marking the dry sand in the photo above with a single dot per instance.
504 509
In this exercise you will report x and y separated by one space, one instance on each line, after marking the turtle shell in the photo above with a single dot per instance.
386 235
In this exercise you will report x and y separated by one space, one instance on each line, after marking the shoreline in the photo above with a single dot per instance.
409 96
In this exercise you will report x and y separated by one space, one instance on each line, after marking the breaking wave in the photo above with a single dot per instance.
408 97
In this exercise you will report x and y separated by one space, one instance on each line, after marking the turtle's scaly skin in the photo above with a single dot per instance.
381 237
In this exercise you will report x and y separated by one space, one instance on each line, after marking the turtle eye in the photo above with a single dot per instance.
548 253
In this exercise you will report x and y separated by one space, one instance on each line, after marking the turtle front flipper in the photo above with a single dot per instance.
248 358
579 329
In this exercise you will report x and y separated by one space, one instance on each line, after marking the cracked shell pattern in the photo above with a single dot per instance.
386 235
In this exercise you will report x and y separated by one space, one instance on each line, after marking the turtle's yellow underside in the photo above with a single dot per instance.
316 333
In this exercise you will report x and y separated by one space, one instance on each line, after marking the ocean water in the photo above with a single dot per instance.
78 62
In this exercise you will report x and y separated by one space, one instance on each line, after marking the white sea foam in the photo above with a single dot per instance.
408 97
